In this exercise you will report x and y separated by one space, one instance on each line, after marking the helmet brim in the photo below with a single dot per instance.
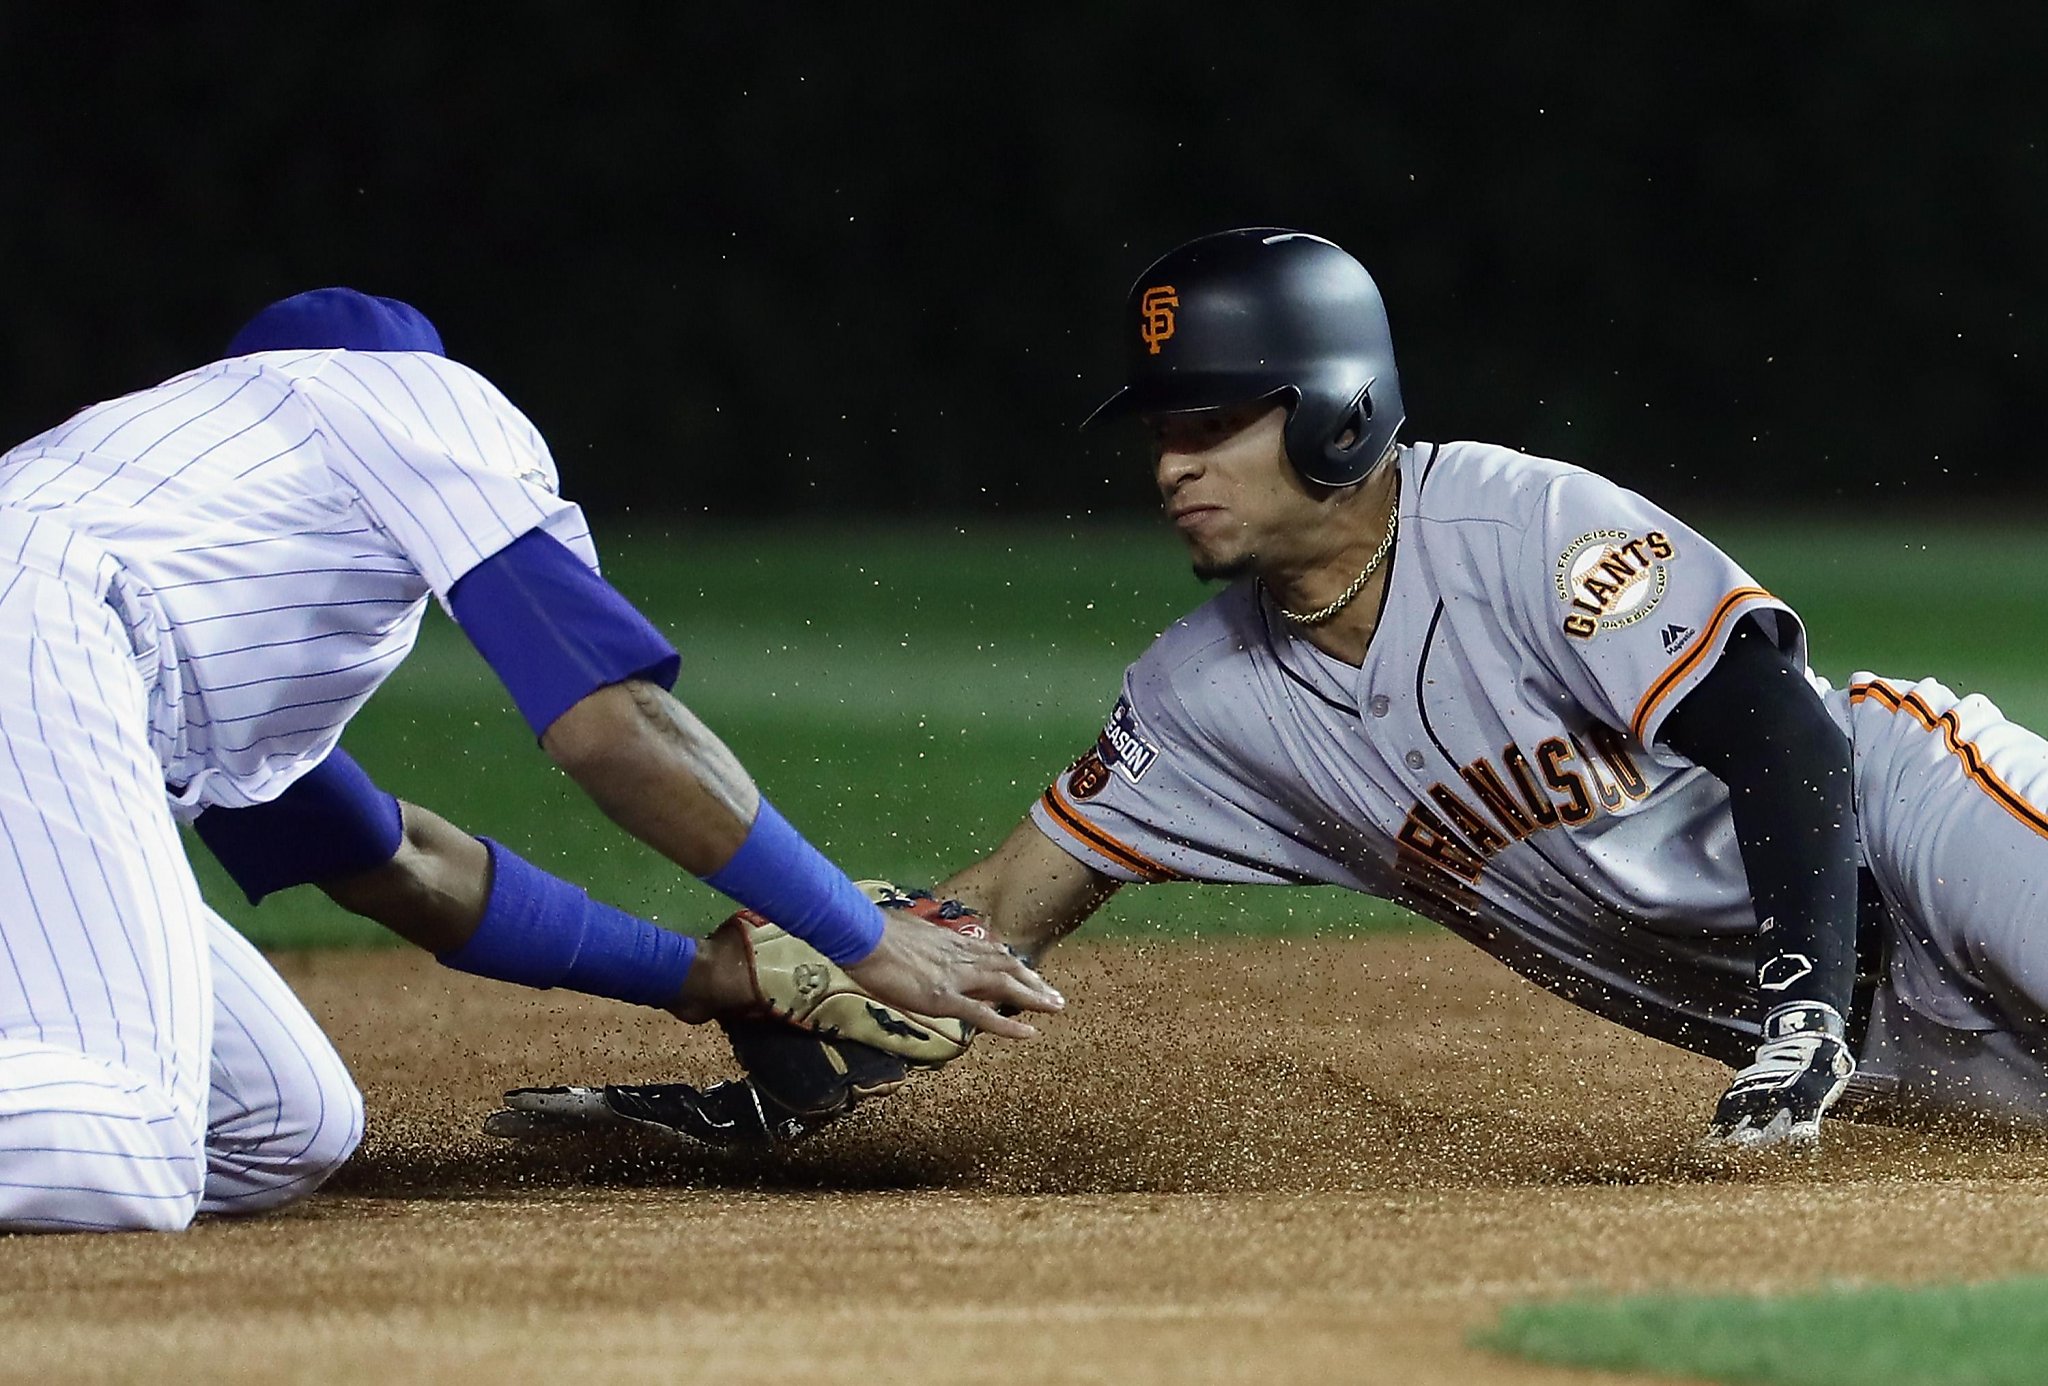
1185 395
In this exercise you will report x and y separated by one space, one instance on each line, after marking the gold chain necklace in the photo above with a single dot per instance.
1344 599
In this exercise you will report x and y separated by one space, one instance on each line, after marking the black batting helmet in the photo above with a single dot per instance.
1262 313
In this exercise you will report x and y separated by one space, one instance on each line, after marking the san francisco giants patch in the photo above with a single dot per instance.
1087 777
1611 578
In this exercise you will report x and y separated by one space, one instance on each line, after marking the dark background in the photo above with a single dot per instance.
818 258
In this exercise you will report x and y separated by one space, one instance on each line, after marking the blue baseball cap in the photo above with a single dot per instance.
337 317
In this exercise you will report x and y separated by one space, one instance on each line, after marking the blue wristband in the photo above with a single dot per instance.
777 874
540 931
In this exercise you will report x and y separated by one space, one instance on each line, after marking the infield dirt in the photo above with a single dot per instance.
1276 1161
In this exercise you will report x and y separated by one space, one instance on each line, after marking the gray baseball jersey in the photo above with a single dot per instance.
1494 764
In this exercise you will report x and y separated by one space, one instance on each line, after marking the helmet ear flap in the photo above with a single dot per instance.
1343 449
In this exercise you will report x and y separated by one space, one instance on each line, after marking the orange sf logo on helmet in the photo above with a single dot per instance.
1155 309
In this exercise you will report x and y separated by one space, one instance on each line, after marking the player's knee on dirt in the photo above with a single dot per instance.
88 1146
265 1154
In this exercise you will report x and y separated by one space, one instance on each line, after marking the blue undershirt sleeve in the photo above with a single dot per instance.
553 631
332 822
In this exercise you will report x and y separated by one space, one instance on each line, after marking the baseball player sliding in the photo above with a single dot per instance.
199 584
1533 706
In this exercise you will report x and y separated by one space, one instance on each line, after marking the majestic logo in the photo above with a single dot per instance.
1611 579
1155 308
1123 747
1676 638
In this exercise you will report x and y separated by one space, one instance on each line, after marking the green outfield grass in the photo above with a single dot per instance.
1971 1335
904 694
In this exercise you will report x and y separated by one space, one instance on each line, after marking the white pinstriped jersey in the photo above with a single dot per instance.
278 522
1493 764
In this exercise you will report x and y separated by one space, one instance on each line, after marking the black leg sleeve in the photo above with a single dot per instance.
1758 726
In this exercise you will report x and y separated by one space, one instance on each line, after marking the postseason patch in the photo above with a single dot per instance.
1123 747
1611 578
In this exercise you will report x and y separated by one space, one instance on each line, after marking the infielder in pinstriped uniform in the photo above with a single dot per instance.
199 584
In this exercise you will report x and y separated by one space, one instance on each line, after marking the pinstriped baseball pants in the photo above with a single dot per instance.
152 1065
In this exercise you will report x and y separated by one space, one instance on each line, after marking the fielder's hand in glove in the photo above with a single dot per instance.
1800 1069
953 974
812 1045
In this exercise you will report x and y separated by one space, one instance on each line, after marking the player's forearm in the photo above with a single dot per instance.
433 890
1032 893
1795 827
658 772
1758 726
662 775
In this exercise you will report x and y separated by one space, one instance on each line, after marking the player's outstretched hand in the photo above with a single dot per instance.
1800 1069
939 972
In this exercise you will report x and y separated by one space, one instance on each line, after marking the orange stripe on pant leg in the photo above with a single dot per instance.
1975 768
